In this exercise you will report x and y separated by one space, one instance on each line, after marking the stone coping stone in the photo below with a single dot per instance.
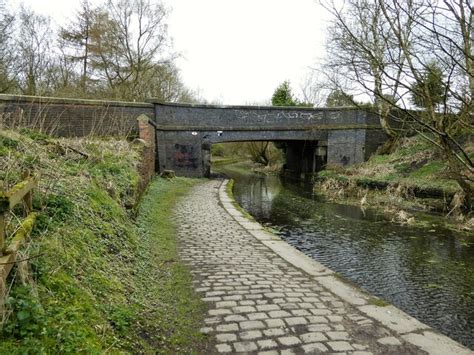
264 235
411 329
394 318
239 107
297 258
251 226
436 344
344 291
62 100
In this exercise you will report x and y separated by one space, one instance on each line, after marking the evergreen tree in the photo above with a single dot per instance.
338 98
430 90
283 96
77 37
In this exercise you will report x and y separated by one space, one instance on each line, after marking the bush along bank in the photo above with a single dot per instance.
412 178
101 276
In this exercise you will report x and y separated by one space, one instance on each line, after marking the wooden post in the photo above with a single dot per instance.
29 196
2 224
21 192
28 202
2 233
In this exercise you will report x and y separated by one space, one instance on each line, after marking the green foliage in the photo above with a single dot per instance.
29 319
34 134
8 142
229 150
338 98
402 168
283 96
121 317
375 301
58 207
430 90
331 174
218 150
429 170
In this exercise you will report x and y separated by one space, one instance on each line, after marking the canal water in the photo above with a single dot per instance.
426 271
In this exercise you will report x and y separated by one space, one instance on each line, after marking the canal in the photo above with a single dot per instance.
426 271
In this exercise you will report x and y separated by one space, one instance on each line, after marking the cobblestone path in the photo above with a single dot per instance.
258 303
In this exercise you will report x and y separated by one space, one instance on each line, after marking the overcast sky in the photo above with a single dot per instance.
234 51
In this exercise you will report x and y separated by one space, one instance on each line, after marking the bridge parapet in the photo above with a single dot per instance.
185 133
172 116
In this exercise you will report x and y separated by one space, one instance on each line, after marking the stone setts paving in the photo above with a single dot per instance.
258 302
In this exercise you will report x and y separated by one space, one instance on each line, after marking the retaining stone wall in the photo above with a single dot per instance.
72 117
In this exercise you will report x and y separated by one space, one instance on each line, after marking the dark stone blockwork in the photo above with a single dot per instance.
72 117
310 138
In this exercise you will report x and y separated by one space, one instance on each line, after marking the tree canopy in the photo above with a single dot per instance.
338 98
429 90
283 95
117 50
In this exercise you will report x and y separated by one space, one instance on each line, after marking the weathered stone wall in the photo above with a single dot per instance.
72 117
257 118
78 118
186 132
346 147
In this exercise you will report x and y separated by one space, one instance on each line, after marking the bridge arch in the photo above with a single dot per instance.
185 133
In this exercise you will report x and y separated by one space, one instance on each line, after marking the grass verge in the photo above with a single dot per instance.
173 319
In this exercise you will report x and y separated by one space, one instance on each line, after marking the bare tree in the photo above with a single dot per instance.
258 152
361 51
442 38
33 51
164 83
120 50
313 90
7 77
390 47
62 78
130 45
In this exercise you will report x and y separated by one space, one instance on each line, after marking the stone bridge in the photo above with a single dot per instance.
310 137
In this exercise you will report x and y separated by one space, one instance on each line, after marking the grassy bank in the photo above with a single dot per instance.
174 313
101 278
413 177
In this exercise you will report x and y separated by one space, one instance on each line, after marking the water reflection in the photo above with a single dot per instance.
427 272
257 193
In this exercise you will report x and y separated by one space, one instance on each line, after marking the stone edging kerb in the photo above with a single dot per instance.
409 328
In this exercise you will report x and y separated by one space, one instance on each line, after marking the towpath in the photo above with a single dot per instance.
265 297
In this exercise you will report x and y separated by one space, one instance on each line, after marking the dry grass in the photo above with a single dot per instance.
100 279
396 181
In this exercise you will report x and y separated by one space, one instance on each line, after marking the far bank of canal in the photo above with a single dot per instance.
426 271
